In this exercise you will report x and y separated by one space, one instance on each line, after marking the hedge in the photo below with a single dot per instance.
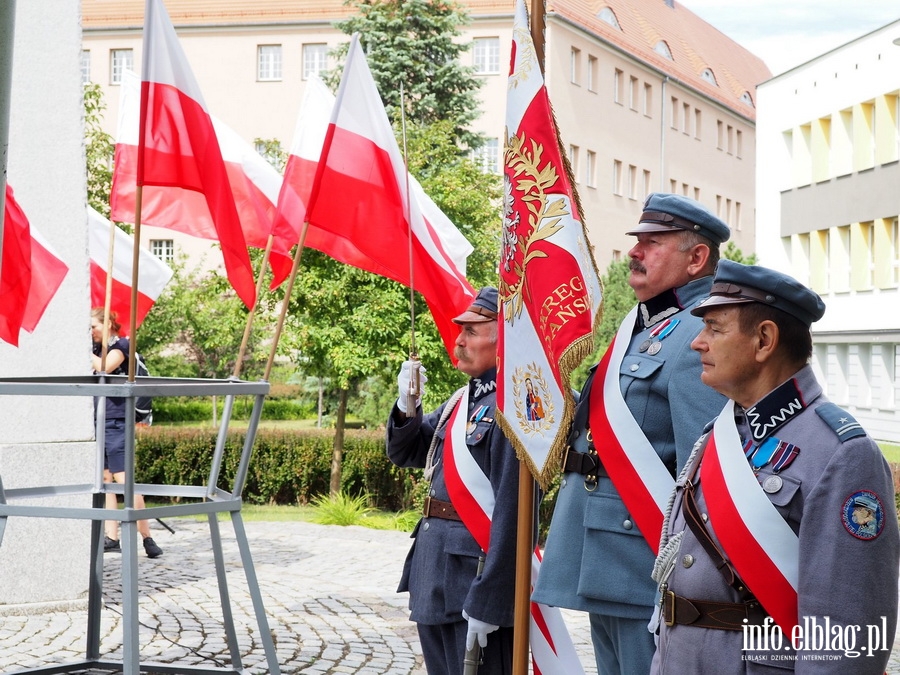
287 467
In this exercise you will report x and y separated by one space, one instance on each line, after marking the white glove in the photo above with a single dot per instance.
478 629
403 384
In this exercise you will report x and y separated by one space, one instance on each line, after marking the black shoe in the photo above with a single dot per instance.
153 551
111 545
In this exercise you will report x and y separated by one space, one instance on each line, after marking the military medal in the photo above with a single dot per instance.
772 484
761 456
659 334
480 412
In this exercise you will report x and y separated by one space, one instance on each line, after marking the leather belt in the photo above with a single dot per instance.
435 508
587 464
720 615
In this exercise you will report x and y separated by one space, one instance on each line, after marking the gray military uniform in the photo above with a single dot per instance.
848 570
596 559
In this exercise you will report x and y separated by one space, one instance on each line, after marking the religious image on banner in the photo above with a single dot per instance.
549 288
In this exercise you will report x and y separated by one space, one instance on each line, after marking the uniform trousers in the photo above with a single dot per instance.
622 646
444 647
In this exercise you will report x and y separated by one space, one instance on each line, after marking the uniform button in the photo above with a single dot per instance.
634 367
576 433
627 524
563 482
432 493
425 525
704 517
687 560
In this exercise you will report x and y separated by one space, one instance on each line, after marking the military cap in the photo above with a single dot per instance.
483 307
664 212
866 502
735 283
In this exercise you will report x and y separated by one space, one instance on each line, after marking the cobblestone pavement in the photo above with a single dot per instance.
328 593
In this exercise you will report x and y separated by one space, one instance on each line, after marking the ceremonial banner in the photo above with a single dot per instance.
153 273
178 149
31 274
254 183
359 212
549 288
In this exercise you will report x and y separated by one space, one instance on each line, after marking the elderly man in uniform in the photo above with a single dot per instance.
639 414
780 552
452 602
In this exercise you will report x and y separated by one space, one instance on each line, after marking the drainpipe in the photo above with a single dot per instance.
7 31
662 134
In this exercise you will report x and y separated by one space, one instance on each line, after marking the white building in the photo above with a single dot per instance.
828 198
648 96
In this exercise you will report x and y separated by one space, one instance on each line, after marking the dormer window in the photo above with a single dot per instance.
709 76
747 99
662 49
606 14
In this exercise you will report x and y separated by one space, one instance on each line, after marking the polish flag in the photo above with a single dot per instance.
31 274
177 145
359 212
153 273
254 183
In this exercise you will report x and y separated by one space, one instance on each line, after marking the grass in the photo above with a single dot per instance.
891 451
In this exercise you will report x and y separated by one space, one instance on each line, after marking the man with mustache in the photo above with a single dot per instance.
453 603
639 414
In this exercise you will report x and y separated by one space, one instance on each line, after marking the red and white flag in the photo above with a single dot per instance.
177 149
153 273
303 160
549 288
359 212
254 183
31 273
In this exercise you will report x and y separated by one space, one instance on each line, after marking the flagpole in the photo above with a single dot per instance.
525 522
259 287
295 266
135 263
412 394
7 31
107 296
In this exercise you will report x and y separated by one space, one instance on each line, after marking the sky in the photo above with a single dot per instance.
786 33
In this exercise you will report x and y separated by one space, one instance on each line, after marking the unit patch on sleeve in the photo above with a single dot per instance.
863 515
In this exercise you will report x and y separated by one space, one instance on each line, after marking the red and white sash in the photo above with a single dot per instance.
759 543
472 496
636 470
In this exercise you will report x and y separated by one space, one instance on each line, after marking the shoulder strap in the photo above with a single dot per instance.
445 415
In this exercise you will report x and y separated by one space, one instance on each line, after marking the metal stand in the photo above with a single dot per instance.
212 501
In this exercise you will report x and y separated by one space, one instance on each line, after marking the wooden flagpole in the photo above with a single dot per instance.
525 522
247 328
295 266
135 263
107 296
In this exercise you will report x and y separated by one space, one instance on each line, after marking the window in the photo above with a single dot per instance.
862 256
632 181
617 177
606 14
618 86
573 160
315 59
120 60
633 93
708 76
648 99
592 73
698 116
646 184
895 246
675 109
487 157
738 143
590 169
686 119
575 66
486 55
164 249
268 63
662 49
85 66
729 139
737 216
720 135
747 99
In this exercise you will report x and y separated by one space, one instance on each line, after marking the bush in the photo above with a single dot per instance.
288 467
193 409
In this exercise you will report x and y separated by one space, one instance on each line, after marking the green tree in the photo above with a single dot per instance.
99 149
414 43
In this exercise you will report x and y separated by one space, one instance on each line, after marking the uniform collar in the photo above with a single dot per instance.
672 301
782 404
484 384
